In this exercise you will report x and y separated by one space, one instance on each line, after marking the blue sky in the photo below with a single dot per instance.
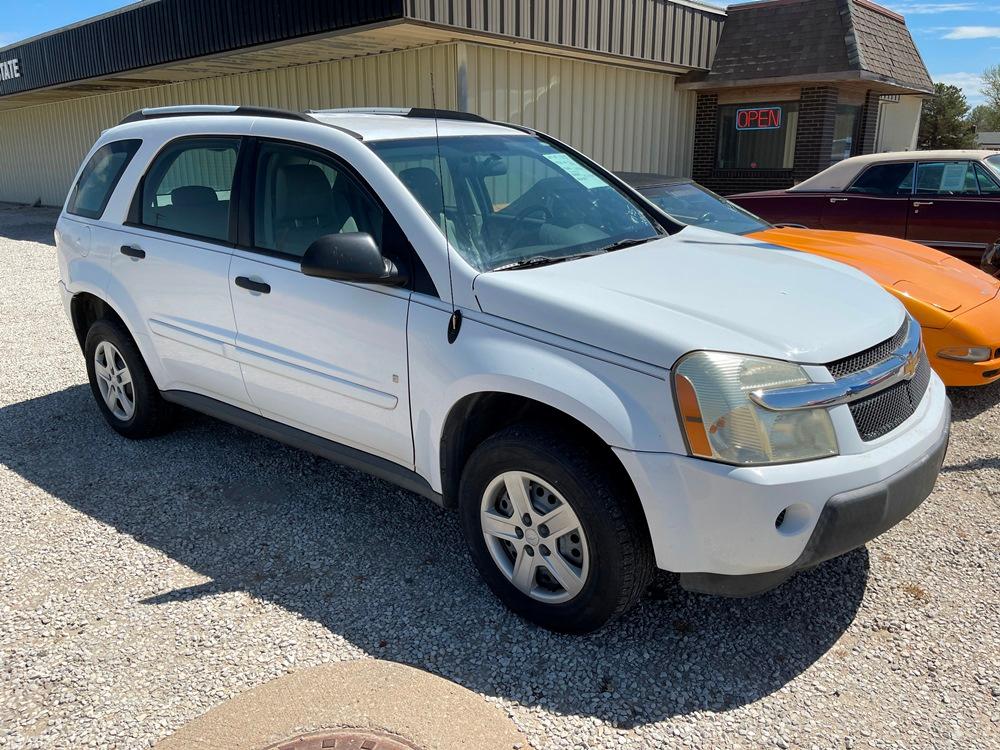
957 38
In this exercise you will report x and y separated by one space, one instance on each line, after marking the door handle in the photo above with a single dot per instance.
254 286
133 252
922 203
837 200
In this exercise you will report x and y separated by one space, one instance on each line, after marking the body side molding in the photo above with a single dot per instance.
341 454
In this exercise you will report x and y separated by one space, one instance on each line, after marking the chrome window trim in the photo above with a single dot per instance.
900 365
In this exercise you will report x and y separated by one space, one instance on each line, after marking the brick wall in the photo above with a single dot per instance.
706 133
814 135
869 124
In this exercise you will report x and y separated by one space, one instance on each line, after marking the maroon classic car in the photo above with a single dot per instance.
949 200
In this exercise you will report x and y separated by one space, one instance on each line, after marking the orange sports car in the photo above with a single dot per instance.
958 306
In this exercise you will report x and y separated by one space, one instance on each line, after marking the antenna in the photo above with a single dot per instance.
455 322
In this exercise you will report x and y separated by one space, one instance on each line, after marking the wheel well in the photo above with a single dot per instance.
86 309
480 415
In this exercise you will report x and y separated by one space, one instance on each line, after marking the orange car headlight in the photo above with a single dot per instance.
966 353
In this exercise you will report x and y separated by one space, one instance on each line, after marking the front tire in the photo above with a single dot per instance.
122 386
552 531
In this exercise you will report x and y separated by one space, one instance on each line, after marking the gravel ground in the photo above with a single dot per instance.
143 583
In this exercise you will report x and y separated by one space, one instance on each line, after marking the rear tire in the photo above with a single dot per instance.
595 562
122 386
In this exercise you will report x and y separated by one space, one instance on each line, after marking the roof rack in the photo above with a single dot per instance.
423 112
186 110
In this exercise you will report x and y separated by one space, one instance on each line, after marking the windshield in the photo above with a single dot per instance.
695 205
508 200
994 164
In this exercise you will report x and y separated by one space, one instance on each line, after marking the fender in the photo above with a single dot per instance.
626 408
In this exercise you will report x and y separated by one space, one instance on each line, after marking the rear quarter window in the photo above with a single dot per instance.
98 180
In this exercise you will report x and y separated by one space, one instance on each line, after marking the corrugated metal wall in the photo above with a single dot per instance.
657 30
627 118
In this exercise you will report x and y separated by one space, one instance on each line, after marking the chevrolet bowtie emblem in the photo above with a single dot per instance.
910 365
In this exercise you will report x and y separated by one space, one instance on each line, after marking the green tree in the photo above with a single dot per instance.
944 120
986 118
991 88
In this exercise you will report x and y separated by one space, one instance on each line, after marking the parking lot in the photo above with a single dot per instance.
141 584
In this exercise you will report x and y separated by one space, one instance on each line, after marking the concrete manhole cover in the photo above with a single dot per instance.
344 739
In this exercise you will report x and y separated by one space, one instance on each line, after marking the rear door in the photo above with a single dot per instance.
325 356
949 212
876 202
172 260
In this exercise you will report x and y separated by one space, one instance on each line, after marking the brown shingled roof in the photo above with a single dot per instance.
815 40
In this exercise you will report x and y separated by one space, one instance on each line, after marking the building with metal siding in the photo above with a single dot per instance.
599 74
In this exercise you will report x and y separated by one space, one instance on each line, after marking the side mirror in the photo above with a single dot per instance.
350 256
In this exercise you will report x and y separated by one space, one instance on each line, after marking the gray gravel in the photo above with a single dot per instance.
143 583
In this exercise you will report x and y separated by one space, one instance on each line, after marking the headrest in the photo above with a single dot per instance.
193 195
302 192
423 182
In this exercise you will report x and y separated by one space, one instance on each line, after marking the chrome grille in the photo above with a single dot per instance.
883 412
869 357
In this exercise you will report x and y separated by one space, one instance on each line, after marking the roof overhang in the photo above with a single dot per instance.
701 82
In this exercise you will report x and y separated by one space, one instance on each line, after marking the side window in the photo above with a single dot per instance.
987 185
946 178
99 178
188 187
885 180
300 195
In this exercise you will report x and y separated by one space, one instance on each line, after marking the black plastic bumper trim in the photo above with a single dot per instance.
849 520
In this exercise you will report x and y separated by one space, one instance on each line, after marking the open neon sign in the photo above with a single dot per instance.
758 118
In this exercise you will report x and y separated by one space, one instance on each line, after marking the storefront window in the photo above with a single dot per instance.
845 131
757 136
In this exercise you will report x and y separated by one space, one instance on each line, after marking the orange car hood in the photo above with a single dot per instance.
949 284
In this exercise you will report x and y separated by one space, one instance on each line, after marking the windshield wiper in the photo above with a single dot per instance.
629 242
543 260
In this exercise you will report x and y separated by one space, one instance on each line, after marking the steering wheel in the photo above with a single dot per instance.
515 224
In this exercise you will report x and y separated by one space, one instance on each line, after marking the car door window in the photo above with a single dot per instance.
987 185
946 178
99 178
885 180
301 195
187 189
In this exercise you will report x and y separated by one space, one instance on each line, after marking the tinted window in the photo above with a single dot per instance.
885 179
946 178
100 177
699 207
187 189
301 195
987 184
765 140
845 131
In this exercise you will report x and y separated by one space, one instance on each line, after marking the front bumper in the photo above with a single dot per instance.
979 326
706 517
848 521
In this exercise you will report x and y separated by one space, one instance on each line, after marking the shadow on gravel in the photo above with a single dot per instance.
388 571
969 403
24 223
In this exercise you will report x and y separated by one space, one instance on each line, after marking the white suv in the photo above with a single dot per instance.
484 316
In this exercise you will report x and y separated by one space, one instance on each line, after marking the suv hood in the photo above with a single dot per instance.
699 289
949 284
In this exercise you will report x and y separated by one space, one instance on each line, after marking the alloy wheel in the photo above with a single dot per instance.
114 381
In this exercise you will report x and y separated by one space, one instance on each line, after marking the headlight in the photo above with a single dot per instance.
966 353
723 424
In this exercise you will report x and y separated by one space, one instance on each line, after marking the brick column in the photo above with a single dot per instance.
868 127
706 134
814 134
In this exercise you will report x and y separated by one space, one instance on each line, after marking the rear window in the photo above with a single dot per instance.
885 179
99 178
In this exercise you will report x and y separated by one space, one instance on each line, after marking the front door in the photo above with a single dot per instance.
877 202
325 356
173 261
951 212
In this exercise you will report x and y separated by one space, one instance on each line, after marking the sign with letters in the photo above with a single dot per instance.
10 69
758 118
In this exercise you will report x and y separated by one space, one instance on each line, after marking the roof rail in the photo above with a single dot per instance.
424 112
186 110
